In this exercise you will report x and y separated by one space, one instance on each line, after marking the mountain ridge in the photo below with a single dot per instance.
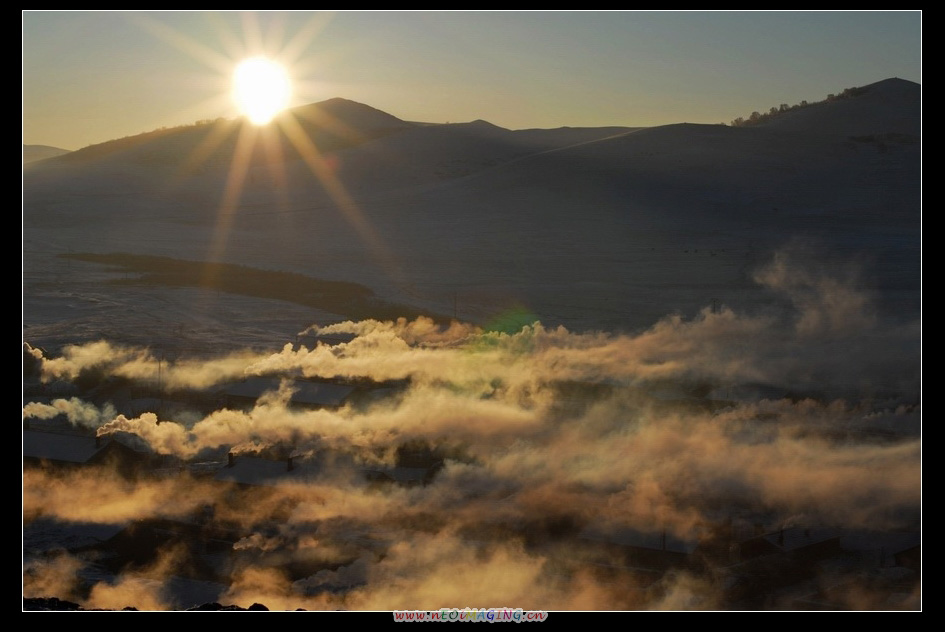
338 123
494 213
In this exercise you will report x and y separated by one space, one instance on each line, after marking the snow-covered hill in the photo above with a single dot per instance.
592 228
32 153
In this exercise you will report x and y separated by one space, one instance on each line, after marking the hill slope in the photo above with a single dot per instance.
602 228
32 153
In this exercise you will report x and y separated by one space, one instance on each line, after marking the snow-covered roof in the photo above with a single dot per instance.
800 537
45 534
402 475
307 393
65 448
251 470
891 541
655 540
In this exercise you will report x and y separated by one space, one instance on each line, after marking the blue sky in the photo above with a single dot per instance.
89 77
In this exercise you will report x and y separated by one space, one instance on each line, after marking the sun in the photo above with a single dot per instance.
261 89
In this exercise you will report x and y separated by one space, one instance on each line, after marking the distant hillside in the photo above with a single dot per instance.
588 227
887 106
370 150
346 118
32 153
329 125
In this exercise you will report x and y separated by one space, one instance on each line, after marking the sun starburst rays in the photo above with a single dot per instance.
274 143
232 191
336 190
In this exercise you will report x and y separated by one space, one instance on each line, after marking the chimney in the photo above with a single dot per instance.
230 459
289 466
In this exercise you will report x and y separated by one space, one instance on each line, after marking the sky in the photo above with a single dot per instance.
90 77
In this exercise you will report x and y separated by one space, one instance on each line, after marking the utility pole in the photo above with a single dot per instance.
160 385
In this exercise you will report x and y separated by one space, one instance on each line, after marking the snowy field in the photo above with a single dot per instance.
610 233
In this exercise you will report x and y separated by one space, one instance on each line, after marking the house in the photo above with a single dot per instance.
56 450
801 544
252 471
883 549
207 547
306 394
651 550
406 476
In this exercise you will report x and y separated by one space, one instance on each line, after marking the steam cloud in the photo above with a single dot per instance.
753 417
78 413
